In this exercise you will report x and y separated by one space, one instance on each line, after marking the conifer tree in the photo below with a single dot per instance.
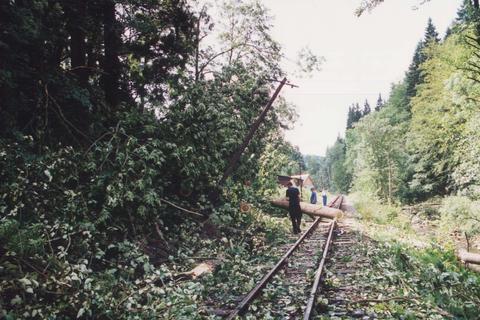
357 112
414 75
366 108
431 33
350 117
380 103
466 13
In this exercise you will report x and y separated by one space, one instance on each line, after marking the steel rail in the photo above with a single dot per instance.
243 305
335 200
318 274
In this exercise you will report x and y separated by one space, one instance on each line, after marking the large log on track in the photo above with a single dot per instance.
313 210
469 257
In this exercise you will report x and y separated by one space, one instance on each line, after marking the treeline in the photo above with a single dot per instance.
111 111
355 113
424 140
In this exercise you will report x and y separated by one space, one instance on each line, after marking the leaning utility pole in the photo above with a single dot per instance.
238 153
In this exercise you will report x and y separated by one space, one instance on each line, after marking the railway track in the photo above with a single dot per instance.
296 276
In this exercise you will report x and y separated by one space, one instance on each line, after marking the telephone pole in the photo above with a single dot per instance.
238 153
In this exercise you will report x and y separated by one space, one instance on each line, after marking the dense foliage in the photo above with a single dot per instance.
118 118
414 260
433 111
423 141
115 113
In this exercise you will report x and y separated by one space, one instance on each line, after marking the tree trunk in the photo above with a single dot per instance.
111 63
234 159
475 4
75 11
200 270
197 48
389 180
313 210
469 257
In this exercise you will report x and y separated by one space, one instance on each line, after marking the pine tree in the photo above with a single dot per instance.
380 103
350 118
414 75
466 13
431 33
366 108
448 33
357 112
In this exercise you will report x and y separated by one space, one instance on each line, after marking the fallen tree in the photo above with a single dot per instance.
200 270
313 210
469 257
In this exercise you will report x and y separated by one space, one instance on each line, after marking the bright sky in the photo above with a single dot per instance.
363 56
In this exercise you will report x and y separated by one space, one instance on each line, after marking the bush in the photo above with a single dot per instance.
74 222
462 214
374 211
432 274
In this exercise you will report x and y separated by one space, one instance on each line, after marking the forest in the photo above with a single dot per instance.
422 142
117 122
112 110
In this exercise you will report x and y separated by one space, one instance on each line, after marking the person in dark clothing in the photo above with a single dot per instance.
313 197
294 210
324 197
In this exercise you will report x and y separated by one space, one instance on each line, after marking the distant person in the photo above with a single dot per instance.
294 210
324 197
313 196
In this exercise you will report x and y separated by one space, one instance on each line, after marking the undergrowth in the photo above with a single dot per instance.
242 255
418 267
88 234
432 281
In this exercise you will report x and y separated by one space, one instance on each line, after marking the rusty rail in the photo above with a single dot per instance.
337 198
243 305
318 274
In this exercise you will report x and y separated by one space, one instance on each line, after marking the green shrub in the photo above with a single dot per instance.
374 211
461 214
432 274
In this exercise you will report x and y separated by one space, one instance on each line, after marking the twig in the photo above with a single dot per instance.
95 142
398 298
66 126
140 291
183 209
109 152
67 121
382 300
468 241
87 68
160 234
68 244
51 250
69 234
32 267
46 108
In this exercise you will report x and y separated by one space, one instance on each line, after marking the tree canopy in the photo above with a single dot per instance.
114 115
420 143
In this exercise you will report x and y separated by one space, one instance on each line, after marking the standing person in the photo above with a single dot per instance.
294 210
313 197
324 197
